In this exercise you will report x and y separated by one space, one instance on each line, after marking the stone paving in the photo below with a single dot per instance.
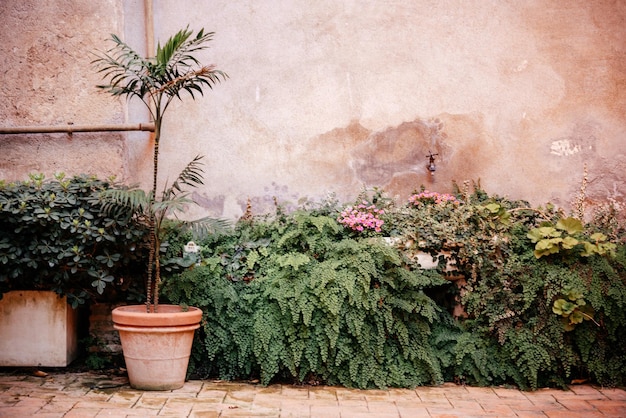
87 395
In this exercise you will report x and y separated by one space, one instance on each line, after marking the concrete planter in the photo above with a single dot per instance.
156 346
37 328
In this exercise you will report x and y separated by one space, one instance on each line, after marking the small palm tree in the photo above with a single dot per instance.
157 81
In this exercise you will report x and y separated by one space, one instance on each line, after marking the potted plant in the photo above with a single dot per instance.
156 339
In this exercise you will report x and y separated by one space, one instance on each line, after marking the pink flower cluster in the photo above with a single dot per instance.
433 197
362 217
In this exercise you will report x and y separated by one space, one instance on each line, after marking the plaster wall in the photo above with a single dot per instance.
331 96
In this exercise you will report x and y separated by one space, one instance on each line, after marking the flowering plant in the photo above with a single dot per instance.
433 197
362 217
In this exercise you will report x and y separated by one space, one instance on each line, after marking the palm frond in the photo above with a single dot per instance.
127 72
134 200
170 206
173 70
190 176
202 227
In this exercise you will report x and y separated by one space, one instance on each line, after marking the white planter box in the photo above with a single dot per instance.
37 328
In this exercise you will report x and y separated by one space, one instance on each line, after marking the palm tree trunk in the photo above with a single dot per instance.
152 290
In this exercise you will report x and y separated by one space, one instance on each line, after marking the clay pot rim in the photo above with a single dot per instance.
168 315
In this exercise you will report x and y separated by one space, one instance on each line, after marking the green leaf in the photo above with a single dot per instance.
540 233
569 242
570 225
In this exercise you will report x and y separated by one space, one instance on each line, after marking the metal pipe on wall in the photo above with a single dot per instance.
76 128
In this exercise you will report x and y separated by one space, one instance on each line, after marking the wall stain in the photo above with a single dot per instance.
396 158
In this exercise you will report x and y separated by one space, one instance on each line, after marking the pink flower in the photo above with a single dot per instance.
433 197
363 217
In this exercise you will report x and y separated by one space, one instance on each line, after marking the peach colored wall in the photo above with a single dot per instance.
329 96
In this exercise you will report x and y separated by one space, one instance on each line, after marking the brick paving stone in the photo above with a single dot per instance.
530 414
39 393
132 412
18 391
123 397
297 405
610 408
36 403
251 412
269 389
451 413
295 392
355 405
96 395
578 405
544 406
387 407
151 401
480 394
570 414
191 387
83 413
180 407
498 410
9 401
17 411
404 394
509 393
345 393
93 405
613 393
267 400
57 406
111 414
466 405
204 414
323 393
325 411
208 392
583 389
240 397
539 397
224 385
427 397
290 414
412 411
358 414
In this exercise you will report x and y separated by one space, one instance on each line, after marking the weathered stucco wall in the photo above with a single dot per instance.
47 79
333 95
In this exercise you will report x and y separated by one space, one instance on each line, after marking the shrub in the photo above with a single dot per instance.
321 306
302 297
57 237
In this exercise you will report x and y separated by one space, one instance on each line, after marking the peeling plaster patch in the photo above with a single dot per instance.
395 158
564 148
397 149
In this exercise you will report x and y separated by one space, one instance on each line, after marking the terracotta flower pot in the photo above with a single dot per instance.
156 346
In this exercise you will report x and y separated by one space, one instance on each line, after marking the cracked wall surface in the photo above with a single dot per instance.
333 96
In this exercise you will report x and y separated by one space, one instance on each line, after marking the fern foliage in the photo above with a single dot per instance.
298 297
322 304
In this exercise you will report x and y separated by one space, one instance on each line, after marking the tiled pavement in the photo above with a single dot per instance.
87 395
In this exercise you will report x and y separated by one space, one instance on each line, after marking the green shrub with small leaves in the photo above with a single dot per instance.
56 236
